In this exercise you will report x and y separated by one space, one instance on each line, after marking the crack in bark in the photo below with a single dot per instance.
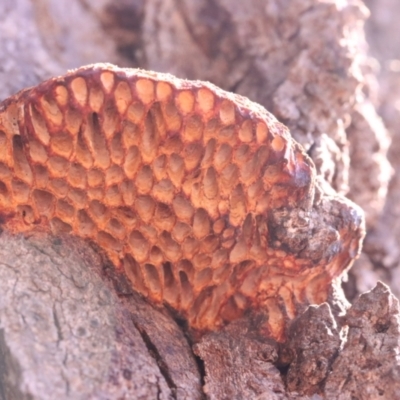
58 326
154 353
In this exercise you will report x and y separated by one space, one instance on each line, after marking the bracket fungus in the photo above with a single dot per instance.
201 196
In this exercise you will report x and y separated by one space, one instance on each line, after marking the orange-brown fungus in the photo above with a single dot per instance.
201 196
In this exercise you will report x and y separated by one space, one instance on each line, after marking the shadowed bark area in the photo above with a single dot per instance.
72 328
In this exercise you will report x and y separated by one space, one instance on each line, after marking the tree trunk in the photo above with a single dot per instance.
72 327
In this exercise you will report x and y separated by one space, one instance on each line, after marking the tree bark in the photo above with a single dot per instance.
72 328
381 257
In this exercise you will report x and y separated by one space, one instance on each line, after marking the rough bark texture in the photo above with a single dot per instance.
66 333
305 61
365 368
240 364
382 248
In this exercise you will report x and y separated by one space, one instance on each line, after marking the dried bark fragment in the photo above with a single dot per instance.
368 366
239 364
201 196
313 345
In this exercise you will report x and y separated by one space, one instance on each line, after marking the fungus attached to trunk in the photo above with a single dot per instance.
200 195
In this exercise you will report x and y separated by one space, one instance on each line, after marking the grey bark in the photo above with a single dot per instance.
71 328
382 246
